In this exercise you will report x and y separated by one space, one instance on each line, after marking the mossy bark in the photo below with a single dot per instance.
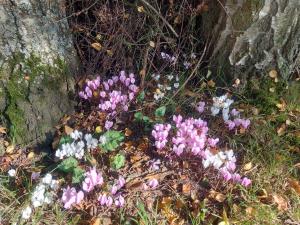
255 35
37 66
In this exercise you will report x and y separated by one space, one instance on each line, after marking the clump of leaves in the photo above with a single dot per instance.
118 161
70 165
111 140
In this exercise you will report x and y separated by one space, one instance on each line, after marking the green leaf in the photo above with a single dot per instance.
160 112
118 161
141 96
146 119
138 116
65 140
68 165
112 140
78 175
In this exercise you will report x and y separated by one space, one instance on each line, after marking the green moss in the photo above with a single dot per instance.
22 75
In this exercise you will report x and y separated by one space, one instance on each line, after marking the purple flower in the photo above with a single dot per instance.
230 124
245 123
200 107
71 196
119 201
108 124
212 142
234 112
92 179
153 183
246 182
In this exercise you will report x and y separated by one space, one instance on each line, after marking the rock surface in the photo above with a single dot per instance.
37 67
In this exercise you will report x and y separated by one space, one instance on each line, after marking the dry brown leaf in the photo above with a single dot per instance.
10 149
68 130
281 130
249 211
128 132
248 166
2 130
96 46
272 90
211 83
282 204
282 105
217 196
186 188
30 155
295 185
140 9
152 44
109 52
97 221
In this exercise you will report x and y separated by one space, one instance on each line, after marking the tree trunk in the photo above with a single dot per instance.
256 35
37 61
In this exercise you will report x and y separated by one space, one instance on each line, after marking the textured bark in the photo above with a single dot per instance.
256 35
37 60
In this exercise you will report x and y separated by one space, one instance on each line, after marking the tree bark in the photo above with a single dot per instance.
255 35
37 63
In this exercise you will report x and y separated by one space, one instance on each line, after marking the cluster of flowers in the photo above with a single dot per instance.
115 197
93 179
162 89
112 95
71 196
225 163
42 194
190 136
223 103
78 146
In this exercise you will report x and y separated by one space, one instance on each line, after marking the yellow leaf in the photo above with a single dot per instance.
140 9
30 155
68 130
97 46
248 166
10 149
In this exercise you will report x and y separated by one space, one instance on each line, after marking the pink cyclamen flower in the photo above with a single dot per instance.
114 189
91 180
153 183
230 124
245 123
245 182
102 199
108 124
120 201
121 182
212 142
200 107
71 196
234 112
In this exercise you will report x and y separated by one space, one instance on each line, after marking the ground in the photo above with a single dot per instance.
267 152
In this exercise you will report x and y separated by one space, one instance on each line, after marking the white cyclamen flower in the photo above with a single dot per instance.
90 141
12 173
76 135
47 179
26 213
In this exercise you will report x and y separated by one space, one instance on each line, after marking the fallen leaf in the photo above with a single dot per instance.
282 105
249 211
186 188
10 149
248 166
152 44
211 83
295 185
282 204
272 90
217 196
30 155
140 9
128 132
2 130
97 46
109 52
281 130
273 74
68 130
97 221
